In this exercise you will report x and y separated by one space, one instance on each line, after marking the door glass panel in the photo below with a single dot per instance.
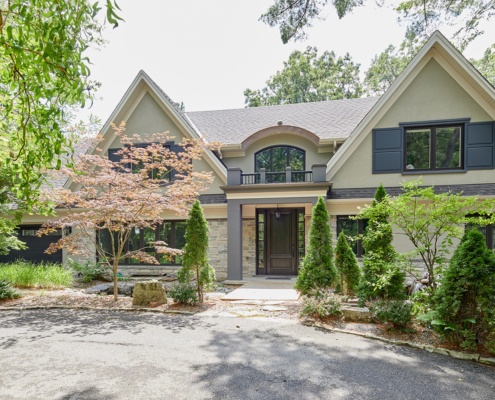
296 159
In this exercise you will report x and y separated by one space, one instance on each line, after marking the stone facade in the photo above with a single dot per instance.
248 247
217 251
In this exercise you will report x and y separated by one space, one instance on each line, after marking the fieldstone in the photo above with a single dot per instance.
356 314
125 289
274 308
146 293
98 289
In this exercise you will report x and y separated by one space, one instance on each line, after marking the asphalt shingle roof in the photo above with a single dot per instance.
334 119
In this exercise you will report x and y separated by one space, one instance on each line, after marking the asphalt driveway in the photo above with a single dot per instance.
65 354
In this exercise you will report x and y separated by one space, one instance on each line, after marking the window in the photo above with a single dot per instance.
135 168
33 232
275 159
433 147
171 232
488 232
352 229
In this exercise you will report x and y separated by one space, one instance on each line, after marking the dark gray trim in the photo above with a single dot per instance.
387 150
234 229
482 189
436 122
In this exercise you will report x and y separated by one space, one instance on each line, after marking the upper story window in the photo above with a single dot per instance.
276 158
433 147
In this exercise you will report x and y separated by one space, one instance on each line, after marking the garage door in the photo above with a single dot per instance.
36 246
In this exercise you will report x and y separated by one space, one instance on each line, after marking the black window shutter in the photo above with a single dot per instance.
387 150
480 145
113 156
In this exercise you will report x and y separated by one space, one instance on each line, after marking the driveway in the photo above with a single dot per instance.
66 354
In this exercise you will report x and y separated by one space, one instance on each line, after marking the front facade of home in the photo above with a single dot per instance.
272 163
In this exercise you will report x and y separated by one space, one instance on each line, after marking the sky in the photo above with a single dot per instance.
206 53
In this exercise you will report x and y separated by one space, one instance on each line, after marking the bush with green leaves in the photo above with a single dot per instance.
320 304
464 303
7 291
382 278
183 293
318 269
347 266
89 271
195 256
397 312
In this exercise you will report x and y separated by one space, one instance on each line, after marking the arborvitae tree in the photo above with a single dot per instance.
381 277
347 266
318 269
464 303
195 257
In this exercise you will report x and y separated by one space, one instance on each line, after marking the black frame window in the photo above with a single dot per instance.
170 232
434 147
276 158
352 228
488 232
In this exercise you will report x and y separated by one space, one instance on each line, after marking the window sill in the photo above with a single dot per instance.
434 172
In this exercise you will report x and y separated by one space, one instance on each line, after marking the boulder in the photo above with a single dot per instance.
356 314
148 293
125 288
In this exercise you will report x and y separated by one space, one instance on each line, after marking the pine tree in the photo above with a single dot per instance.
318 269
381 277
347 266
465 301
195 256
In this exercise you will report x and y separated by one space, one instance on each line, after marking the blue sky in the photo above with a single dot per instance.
205 53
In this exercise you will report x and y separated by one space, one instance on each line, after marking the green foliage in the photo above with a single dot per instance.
184 293
397 312
195 257
432 221
89 271
347 266
320 304
7 291
382 279
43 74
465 301
486 64
294 17
421 302
318 269
23 274
308 77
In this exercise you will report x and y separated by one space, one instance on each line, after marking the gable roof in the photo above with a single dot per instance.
450 59
334 119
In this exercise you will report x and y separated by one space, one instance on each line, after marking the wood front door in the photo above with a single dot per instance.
281 240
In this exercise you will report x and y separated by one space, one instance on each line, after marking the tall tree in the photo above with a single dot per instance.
119 198
195 258
381 277
308 77
486 64
318 268
293 17
43 72
347 266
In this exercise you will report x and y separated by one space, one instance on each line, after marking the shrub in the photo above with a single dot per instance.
381 279
183 293
195 257
7 291
23 274
347 266
398 312
464 303
88 271
321 305
318 269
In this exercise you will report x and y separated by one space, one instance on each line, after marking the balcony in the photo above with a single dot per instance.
236 177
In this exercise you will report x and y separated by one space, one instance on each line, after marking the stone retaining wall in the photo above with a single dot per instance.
248 247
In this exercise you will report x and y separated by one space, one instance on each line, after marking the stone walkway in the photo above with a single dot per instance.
264 289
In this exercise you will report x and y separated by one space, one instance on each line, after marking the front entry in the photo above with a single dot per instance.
278 247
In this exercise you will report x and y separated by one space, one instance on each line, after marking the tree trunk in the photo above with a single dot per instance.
200 289
115 283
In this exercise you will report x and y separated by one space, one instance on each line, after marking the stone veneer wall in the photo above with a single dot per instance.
217 251
248 247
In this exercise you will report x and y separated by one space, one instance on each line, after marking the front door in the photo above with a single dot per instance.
281 242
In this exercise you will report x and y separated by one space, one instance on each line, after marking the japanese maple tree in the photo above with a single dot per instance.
133 192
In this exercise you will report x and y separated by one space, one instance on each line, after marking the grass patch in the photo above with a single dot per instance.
23 274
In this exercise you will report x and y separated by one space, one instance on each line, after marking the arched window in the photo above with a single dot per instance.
276 158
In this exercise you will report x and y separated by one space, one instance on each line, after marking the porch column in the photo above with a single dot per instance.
234 240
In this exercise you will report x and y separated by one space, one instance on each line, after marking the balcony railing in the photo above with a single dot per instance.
237 177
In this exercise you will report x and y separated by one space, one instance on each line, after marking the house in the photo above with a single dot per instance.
435 121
